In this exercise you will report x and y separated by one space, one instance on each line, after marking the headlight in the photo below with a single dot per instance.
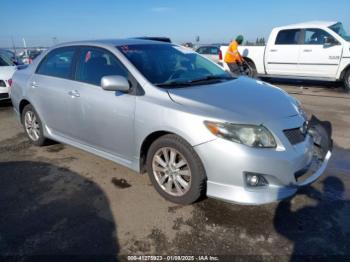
250 135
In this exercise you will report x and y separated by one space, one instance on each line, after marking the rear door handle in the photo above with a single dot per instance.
307 50
273 50
34 84
74 93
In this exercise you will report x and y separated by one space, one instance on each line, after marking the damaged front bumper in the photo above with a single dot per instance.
285 172
321 132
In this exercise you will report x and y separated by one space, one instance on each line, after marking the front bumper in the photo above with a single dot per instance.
4 96
286 171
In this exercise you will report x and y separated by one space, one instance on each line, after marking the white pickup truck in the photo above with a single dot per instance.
312 50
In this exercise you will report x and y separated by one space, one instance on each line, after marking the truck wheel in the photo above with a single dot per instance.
33 126
253 73
346 81
175 170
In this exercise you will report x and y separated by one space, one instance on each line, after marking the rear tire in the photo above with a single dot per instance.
33 126
346 81
253 73
175 170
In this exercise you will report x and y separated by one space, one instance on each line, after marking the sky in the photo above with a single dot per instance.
44 22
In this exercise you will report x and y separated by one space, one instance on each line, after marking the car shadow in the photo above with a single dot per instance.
5 103
306 84
51 212
316 230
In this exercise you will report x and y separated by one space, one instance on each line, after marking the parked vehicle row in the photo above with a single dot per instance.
7 68
164 108
313 50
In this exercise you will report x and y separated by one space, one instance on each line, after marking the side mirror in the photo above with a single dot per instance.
329 41
115 83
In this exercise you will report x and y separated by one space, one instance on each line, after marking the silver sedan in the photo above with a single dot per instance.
164 109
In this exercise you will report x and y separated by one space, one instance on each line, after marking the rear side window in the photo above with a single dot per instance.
58 63
214 51
95 63
288 37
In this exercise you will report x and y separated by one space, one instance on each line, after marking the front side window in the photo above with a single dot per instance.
170 64
95 63
317 37
58 63
288 37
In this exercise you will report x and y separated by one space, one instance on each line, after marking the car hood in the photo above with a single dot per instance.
6 72
241 100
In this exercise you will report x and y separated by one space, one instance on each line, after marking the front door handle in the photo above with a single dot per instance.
74 93
307 50
273 50
34 84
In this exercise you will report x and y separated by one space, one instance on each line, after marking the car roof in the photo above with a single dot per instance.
113 42
154 38
309 24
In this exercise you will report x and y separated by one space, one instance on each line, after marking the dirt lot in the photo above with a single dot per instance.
61 200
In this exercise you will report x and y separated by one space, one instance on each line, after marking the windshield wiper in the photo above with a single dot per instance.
210 77
173 84
176 83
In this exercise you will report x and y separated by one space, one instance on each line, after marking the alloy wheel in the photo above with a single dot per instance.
171 171
32 126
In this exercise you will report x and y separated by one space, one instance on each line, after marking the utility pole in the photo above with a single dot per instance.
25 47
54 40
13 45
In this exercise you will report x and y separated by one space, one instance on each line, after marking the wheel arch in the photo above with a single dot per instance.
22 105
146 143
342 74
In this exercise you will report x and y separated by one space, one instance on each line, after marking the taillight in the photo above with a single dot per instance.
220 55
10 82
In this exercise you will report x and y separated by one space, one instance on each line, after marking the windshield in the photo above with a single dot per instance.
170 65
5 61
339 29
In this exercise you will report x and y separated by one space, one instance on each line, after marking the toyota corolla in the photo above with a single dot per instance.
164 109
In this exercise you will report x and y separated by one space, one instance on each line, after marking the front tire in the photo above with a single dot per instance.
346 81
33 126
175 170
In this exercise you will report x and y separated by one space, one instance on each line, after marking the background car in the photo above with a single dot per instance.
7 68
12 56
210 51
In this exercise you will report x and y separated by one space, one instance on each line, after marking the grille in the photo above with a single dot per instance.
2 83
295 135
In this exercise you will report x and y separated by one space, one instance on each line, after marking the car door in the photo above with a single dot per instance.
104 119
49 89
320 54
282 55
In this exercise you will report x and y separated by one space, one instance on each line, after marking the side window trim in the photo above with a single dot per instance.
72 66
